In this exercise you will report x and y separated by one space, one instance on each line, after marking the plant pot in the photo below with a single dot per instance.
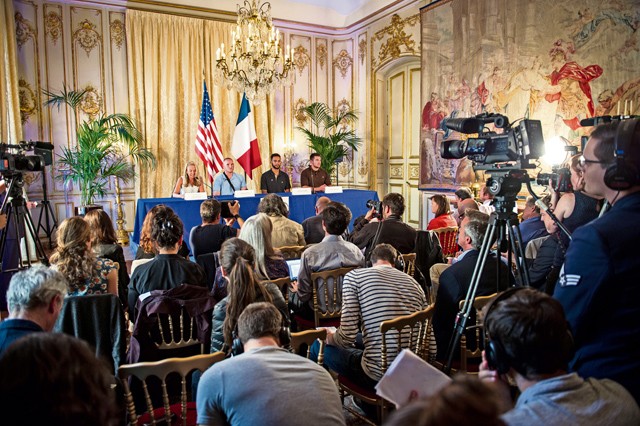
82 210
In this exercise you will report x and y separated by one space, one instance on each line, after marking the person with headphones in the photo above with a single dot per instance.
598 283
266 384
369 296
530 343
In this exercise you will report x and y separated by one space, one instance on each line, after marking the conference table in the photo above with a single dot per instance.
300 207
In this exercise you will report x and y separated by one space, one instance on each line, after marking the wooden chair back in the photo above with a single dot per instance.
409 260
478 332
283 284
308 337
161 369
327 293
177 331
448 240
291 252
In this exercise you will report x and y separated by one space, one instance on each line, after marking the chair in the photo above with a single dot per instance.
327 298
409 260
291 252
283 284
183 411
138 262
465 353
394 339
172 338
308 337
448 240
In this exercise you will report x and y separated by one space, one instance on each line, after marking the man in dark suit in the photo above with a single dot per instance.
312 226
455 280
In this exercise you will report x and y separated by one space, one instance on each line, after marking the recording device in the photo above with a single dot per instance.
596 121
510 150
377 205
13 158
225 212
560 179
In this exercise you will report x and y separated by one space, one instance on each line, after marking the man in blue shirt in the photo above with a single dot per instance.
532 225
34 298
228 182
598 285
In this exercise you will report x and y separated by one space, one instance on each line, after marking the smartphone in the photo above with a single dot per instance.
225 212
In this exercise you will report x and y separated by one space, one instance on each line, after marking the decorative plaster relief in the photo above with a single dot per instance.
414 172
28 100
301 58
321 54
343 62
24 30
363 166
91 103
362 49
87 36
53 26
117 31
298 113
396 38
396 172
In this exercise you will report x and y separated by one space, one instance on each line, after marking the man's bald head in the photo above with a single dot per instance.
321 204
468 204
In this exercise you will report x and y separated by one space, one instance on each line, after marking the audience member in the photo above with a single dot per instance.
463 206
189 182
73 257
265 384
530 343
331 253
147 248
312 226
369 296
238 262
228 182
442 211
531 226
486 198
209 236
462 193
55 379
104 243
598 286
540 266
167 269
286 232
464 401
34 298
391 230
275 180
314 177
455 280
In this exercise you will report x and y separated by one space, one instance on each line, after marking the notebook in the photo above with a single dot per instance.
294 266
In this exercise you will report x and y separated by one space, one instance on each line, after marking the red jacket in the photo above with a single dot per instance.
442 221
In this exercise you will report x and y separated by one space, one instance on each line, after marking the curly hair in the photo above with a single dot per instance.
166 229
73 258
101 227
146 242
273 205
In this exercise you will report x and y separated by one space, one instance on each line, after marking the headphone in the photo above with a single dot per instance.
623 173
498 358
237 347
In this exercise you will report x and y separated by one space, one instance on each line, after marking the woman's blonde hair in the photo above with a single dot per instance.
72 256
185 178
257 230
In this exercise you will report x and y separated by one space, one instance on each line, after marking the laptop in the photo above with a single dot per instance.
294 267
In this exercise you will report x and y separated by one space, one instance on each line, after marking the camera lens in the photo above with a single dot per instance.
453 149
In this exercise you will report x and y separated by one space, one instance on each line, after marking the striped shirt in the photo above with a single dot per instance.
370 296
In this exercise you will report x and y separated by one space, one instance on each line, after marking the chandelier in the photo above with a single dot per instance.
254 63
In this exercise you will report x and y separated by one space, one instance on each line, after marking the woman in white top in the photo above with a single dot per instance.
189 182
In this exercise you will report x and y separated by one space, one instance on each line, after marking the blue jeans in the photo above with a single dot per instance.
344 361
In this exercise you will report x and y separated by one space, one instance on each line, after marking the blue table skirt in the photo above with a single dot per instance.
300 207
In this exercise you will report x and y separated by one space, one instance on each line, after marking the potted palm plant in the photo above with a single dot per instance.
334 135
107 146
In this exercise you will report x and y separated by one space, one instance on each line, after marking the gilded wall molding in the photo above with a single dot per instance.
396 172
362 49
300 117
396 38
414 171
87 36
343 62
343 106
117 32
24 30
321 54
301 58
28 100
91 103
53 26
363 166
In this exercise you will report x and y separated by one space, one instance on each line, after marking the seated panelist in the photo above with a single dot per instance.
189 182
228 182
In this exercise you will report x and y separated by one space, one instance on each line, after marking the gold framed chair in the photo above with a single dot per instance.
174 338
478 335
308 337
409 260
448 240
291 252
184 411
395 337
283 284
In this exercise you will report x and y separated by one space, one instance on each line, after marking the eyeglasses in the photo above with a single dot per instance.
582 161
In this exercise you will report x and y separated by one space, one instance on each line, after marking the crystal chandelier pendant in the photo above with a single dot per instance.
254 64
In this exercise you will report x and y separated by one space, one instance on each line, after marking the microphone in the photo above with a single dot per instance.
542 206
596 121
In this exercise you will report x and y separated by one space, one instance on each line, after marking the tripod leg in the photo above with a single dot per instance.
30 230
516 245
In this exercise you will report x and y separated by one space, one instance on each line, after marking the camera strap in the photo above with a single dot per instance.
373 244
233 188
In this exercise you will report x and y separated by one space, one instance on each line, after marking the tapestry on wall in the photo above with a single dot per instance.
557 62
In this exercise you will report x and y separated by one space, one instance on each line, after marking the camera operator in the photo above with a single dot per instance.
598 285
389 230
573 209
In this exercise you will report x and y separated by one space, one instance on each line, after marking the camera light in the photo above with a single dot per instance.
555 153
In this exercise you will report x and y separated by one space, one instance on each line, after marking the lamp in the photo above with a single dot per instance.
255 63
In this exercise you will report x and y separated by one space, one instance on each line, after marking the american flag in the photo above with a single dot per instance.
208 145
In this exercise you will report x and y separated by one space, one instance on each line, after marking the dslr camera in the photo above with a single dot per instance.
377 205
560 179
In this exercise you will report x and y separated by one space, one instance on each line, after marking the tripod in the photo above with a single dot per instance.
503 227
15 207
46 210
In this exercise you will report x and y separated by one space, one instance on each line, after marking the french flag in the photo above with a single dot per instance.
245 142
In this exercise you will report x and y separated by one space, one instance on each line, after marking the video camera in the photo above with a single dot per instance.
13 158
510 150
